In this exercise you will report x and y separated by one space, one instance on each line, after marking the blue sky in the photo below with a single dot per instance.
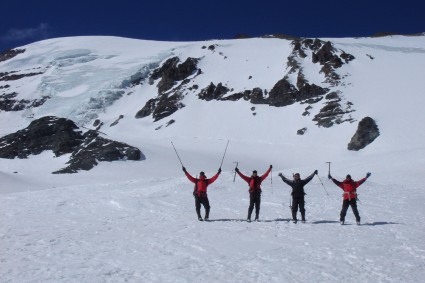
27 21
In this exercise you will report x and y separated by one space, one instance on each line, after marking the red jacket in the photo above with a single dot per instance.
349 187
202 183
254 182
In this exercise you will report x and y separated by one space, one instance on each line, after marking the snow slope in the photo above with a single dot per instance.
135 221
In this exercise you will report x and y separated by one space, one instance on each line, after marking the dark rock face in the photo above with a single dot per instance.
167 105
95 148
10 53
284 93
147 109
213 92
175 84
167 101
330 114
48 133
171 72
12 76
366 133
8 103
62 136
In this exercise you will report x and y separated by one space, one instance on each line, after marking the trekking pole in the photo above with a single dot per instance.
224 153
322 184
271 176
234 177
177 155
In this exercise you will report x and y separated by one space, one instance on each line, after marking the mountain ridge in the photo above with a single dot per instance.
103 83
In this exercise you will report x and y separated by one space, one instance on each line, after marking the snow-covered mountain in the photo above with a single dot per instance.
295 103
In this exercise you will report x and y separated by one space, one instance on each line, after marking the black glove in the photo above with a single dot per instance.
271 166
315 172
368 175
236 169
329 176
219 170
184 169
280 174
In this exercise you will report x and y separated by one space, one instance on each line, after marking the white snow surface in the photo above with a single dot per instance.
135 221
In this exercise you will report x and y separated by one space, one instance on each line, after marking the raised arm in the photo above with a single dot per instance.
213 178
309 178
284 179
361 181
245 178
267 173
336 182
193 180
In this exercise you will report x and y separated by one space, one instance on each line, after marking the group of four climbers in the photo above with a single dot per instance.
254 182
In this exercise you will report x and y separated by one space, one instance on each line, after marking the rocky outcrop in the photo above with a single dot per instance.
367 132
62 136
332 113
174 84
171 73
161 107
95 148
59 135
213 92
13 76
323 53
10 53
284 93
8 103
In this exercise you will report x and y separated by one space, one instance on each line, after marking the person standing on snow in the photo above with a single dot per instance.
297 194
254 183
349 196
200 192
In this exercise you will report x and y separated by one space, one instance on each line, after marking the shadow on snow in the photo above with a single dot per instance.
244 220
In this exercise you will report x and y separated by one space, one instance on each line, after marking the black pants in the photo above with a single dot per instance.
345 204
202 199
254 200
298 202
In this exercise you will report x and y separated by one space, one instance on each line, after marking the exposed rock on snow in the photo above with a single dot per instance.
7 103
48 133
10 53
62 136
213 92
171 72
96 148
366 133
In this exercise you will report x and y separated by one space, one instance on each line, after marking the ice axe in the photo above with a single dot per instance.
329 171
234 177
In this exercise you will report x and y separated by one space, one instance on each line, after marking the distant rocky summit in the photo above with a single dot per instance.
62 136
366 133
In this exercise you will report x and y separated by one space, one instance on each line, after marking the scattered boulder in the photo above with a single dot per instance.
117 120
367 132
301 131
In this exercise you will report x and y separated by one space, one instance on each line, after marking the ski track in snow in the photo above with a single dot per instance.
147 231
